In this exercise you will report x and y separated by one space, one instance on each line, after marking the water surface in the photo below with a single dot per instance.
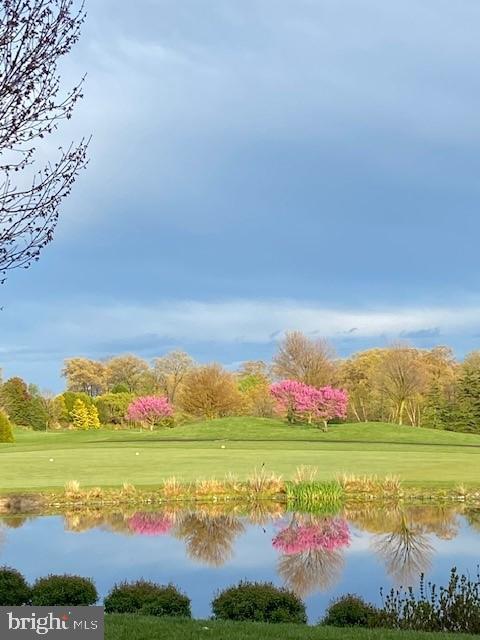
358 550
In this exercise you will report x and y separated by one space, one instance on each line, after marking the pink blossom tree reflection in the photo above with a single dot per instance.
311 552
150 524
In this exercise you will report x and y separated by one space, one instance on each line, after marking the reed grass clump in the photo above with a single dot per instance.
370 486
314 496
263 482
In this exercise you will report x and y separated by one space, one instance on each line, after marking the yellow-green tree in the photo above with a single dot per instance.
93 418
6 432
80 415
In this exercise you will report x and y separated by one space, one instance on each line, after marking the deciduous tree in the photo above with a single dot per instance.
151 411
85 375
34 36
304 359
170 372
211 392
126 370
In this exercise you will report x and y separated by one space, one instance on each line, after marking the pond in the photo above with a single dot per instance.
358 550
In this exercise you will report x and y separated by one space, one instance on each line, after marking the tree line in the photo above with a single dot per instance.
399 383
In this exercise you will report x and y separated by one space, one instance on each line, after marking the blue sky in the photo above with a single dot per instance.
259 166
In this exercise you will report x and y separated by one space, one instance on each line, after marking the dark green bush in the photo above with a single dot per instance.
350 611
147 598
112 407
6 432
14 590
64 590
259 601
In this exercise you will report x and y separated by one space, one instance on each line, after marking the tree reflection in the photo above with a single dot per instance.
311 547
209 538
406 550
312 570
150 524
15 522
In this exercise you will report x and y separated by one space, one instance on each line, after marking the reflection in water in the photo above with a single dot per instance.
209 538
311 558
406 551
312 570
150 524
311 548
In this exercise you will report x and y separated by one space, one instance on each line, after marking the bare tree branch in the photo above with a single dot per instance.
34 35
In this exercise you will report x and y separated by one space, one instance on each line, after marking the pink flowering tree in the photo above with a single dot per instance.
327 534
152 411
300 402
150 524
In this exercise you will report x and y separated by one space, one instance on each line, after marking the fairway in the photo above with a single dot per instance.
421 457
132 627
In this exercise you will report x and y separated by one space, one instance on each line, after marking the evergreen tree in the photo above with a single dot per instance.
15 399
36 414
6 432
467 406
438 412
80 415
93 419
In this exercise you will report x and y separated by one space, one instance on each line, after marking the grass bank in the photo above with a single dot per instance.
422 458
130 627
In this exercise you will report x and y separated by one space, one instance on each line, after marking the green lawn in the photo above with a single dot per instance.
129 627
420 457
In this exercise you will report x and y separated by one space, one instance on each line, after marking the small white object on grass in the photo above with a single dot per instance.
137 453
51 460
223 446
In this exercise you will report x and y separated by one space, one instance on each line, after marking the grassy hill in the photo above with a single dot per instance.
422 457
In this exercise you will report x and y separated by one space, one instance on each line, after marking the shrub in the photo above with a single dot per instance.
350 611
14 590
69 398
454 608
113 406
64 590
260 602
147 598
6 433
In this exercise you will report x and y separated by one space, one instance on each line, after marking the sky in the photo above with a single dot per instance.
259 166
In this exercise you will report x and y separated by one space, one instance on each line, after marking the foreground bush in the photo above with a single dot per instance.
64 590
261 602
6 432
147 598
350 611
14 590
455 607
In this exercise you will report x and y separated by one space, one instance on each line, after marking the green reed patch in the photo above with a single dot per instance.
314 496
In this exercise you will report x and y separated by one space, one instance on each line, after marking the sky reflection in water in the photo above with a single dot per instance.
356 551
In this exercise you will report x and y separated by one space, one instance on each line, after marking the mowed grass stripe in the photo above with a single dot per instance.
111 464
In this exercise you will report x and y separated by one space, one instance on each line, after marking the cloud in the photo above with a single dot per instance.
141 327
421 334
